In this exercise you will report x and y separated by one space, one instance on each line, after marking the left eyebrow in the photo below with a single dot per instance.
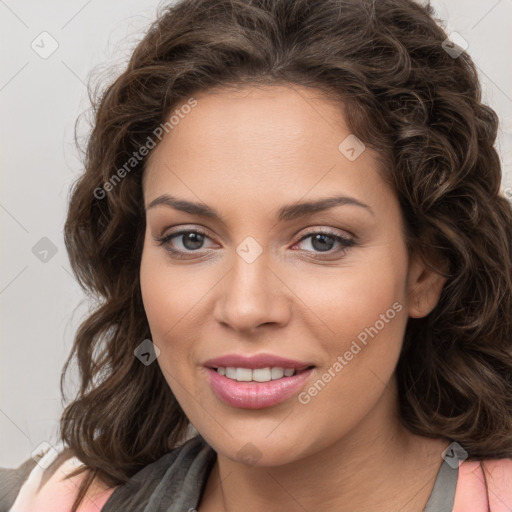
297 210
285 213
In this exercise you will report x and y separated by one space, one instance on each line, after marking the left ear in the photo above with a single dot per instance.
424 286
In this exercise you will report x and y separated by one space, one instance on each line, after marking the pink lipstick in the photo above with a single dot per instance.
255 382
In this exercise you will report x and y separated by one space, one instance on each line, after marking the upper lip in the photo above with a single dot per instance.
256 361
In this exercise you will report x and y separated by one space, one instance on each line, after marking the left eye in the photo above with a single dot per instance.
323 242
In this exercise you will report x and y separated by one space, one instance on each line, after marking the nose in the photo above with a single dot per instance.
251 295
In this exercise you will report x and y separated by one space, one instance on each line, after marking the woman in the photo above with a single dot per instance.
291 216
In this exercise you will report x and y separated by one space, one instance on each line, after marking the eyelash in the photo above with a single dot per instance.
164 241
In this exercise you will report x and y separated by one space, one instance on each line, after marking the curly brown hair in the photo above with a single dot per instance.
403 95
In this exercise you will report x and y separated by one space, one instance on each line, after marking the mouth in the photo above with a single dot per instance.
256 388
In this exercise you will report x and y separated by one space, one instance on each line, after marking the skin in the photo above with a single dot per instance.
246 153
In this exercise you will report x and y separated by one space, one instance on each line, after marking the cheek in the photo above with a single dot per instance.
171 293
175 302
166 298
361 349
360 317
348 299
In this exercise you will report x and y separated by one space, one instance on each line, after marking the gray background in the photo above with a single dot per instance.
41 304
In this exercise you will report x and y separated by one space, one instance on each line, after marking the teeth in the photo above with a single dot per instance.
244 374
277 373
262 374
256 375
231 373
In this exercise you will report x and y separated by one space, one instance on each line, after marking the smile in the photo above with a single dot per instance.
257 388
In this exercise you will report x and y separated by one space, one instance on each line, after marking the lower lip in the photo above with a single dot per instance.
256 395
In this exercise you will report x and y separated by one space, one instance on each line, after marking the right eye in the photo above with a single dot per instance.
192 241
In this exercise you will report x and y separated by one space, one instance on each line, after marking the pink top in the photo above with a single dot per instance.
58 494
470 495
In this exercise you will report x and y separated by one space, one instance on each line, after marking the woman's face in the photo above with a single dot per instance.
268 277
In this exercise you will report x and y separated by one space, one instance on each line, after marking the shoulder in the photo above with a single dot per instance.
484 484
57 493
184 465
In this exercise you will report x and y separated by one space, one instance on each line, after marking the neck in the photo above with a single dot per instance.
370 468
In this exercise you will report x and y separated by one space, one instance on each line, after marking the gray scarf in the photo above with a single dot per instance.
173 483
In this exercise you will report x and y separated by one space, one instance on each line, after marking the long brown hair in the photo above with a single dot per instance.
405 96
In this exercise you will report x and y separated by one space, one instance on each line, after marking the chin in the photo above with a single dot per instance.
258 448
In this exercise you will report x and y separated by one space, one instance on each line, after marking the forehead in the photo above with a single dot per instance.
228 121
258 141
